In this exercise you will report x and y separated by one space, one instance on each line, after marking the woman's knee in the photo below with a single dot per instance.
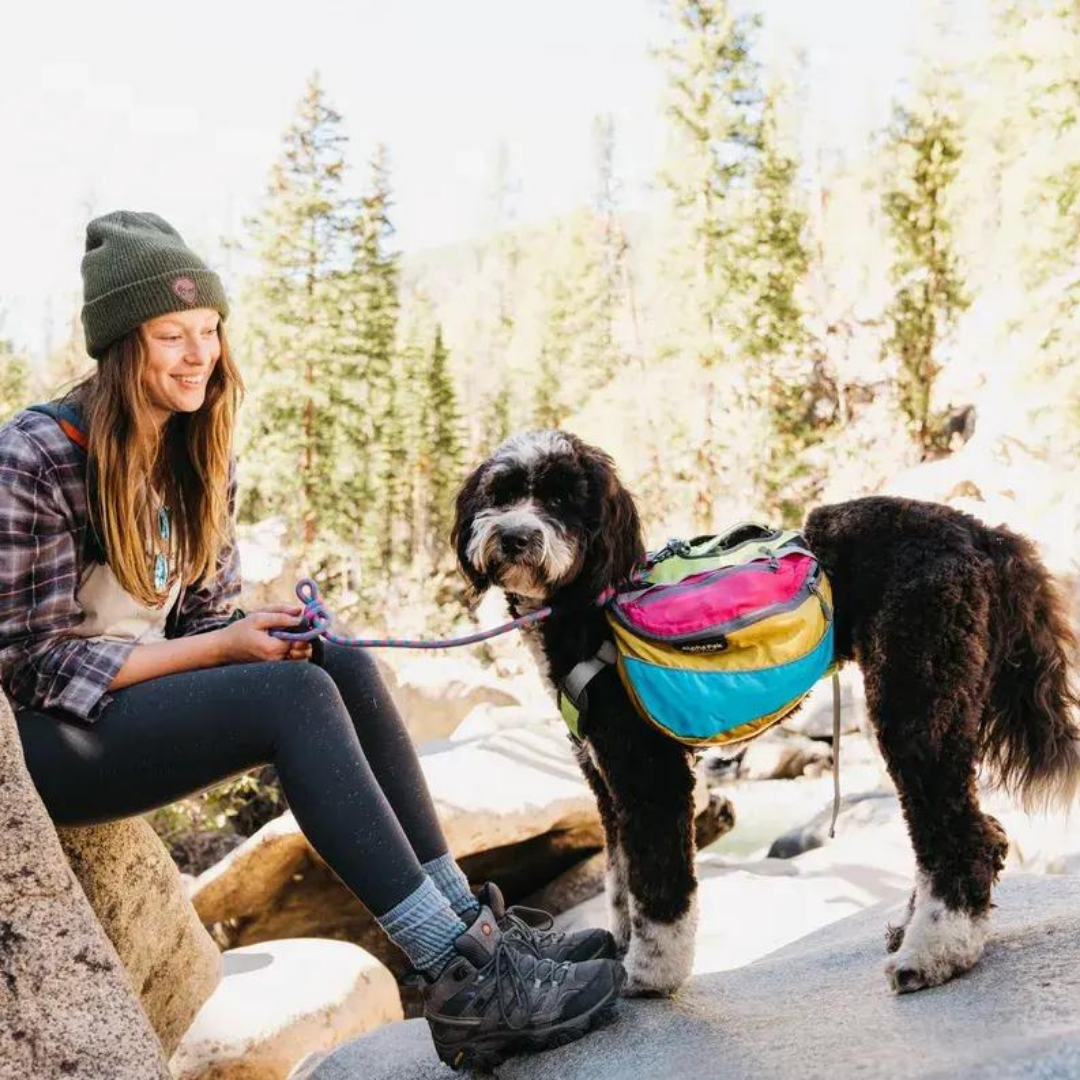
359 664
299 684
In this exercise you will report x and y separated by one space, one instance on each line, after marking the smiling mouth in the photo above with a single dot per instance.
190 382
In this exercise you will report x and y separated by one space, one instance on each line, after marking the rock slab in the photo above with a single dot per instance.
819 1009
137 894
67 1007
279 1003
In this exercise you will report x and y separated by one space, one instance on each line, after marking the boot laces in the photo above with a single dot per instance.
534 936
514 971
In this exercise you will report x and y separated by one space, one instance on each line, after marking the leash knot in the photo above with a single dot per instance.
315 614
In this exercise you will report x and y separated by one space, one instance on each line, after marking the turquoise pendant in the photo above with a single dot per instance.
161 572
163 523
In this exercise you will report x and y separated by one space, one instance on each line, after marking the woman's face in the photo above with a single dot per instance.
182 348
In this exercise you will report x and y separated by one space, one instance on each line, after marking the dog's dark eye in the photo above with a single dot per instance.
507 488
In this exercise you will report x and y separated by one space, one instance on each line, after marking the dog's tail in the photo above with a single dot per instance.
1030 737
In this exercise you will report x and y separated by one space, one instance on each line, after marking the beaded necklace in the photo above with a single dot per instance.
163 545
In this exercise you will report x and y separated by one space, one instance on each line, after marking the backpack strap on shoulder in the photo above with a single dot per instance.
71 425
68 418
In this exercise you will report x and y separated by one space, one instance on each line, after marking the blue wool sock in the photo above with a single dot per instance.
454 885
424 927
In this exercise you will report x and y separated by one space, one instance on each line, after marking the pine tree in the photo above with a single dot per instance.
714 104
549 412
443 432
435 447
775 259
495 310
303 340
376 272
787 379
557 363
496 417
925 150
1050 95
613 284
577 353
417 326
1018 194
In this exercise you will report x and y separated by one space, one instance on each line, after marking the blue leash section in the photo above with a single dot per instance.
319 619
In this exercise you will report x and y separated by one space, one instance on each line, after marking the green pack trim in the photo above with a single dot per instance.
571 715
574 689
710 554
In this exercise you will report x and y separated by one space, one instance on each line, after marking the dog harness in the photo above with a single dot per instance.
717 638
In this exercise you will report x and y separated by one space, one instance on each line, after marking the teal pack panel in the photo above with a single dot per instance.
704 704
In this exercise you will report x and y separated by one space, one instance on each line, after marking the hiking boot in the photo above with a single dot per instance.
538 937
494 999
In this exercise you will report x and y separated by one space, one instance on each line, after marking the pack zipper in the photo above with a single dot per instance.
683 549
662 590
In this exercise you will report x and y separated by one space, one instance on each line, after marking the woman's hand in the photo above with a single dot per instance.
248 639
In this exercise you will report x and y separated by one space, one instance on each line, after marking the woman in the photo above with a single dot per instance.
135 684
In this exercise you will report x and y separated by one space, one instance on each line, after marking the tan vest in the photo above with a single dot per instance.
114 614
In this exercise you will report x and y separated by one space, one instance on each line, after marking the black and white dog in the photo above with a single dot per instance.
963 643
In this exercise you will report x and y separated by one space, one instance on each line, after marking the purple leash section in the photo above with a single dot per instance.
319 619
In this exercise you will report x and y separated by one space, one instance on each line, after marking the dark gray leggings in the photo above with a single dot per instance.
345 760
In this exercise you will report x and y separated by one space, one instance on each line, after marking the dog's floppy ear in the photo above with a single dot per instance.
616 546
467 506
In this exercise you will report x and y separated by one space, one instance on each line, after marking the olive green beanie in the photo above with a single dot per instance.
137 267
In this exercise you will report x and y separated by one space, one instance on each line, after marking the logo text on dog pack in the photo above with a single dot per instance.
707 647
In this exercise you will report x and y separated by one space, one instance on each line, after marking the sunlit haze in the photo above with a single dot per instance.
180 108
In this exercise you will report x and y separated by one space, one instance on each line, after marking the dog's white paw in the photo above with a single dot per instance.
937 944
661 955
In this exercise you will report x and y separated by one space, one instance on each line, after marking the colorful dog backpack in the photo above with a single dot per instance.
718 638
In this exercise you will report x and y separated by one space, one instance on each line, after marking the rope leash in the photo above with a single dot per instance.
319 619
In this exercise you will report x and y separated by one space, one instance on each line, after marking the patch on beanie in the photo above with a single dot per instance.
186 289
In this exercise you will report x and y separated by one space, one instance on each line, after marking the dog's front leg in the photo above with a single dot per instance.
618 887
652 791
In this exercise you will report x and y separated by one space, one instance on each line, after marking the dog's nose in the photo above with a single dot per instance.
514 541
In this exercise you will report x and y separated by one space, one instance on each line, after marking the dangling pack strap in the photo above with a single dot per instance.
835 751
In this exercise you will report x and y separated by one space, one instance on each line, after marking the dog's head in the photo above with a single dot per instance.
546 511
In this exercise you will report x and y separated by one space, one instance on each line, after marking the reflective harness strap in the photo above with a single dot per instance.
573 701
835 751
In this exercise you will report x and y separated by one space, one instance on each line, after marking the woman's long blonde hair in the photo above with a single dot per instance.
187 463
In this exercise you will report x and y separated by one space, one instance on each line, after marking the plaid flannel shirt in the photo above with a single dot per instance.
43 533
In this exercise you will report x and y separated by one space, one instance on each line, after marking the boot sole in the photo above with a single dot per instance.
488 1051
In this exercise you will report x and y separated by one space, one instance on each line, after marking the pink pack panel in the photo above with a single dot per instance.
712 598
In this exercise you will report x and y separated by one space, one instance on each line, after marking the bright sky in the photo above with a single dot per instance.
179 107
